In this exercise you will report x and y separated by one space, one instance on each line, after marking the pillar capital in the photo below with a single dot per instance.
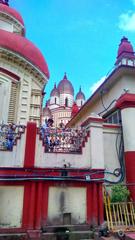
93 118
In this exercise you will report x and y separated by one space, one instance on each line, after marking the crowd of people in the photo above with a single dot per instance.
9 134
61 139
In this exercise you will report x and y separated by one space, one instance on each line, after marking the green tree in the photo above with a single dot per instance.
119 193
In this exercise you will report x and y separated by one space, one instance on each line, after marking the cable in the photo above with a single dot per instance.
120 154
105 108
51 178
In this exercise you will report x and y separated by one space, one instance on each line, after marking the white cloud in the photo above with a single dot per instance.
133 1
94 87
127 21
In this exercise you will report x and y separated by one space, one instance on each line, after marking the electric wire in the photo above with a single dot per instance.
105 108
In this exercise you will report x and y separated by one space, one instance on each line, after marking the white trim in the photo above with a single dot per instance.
10 16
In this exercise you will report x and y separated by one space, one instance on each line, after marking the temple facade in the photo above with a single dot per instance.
23 71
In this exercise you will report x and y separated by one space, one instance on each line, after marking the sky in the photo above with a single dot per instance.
79 37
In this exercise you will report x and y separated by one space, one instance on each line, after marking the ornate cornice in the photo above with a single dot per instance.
127 100
23 63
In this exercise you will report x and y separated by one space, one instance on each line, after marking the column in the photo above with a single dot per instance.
95 204
89 203
32 205
39 205
45 203
127 105
100 203
96 142
30 145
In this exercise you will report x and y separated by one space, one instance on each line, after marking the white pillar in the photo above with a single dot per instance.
127 105
95 124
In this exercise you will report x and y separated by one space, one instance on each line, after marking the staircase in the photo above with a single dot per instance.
67 232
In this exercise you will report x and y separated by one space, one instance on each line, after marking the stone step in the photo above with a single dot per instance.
54 228
71 235
74 235
12 236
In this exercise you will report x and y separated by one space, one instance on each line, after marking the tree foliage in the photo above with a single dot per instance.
119 193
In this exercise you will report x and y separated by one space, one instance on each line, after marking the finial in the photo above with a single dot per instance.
124 39
54 85
5 2
65 75
80 89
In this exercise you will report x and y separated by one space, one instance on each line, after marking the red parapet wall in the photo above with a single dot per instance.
36 214
36 195
37 183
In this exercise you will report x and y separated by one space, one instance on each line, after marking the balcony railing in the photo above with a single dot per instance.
9 135
63 140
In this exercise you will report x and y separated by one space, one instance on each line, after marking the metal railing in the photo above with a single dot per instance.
63 140
9 135
119 215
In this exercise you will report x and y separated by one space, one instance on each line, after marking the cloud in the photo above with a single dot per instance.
94 87
133 1
127 21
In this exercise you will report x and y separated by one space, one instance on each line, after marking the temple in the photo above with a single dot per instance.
61 104
52 176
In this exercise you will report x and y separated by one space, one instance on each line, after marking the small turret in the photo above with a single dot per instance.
80 98
66 91
55 92
54 97
125 55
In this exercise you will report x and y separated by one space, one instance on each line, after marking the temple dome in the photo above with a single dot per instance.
11 13
65 86
55 92
80 95
24 48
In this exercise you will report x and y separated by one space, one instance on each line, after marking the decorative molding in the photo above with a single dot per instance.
127 100
24 63
9 73
92 119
